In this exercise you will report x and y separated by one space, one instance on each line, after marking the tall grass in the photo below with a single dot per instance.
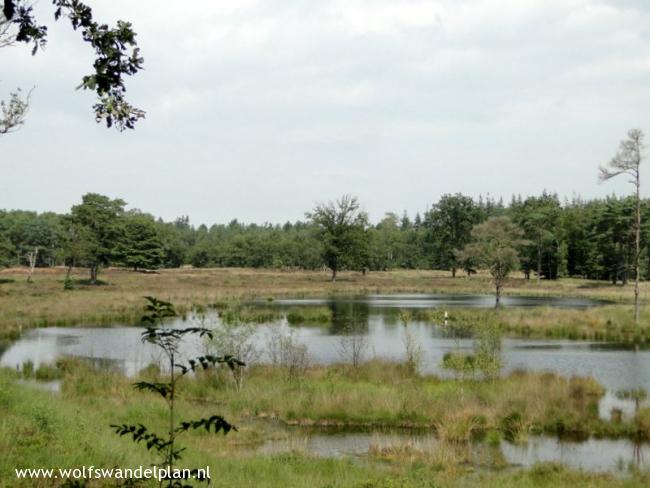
40 429
46 303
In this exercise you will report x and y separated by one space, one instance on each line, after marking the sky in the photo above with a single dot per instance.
257 110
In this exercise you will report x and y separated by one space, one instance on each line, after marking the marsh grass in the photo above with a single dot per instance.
309 315
45 302
611 323
41 429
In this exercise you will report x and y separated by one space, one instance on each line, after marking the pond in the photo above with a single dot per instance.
616 366
377 318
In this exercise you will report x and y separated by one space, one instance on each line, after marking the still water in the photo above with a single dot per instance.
377 318
596 455
616 366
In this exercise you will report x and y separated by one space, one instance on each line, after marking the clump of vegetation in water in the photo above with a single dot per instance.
486 358
168 340
309 315
414 353
242 314
637 395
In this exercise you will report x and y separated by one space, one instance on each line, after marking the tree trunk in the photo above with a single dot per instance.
333 275
638 247
93 274
32 257
539 262
453 272
497 302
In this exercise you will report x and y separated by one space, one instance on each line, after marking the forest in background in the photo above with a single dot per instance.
581 238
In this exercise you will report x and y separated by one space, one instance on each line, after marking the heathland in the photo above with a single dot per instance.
72 427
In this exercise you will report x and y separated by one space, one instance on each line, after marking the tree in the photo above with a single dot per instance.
343 232
449 224
140 246
627 161
116 51
494 247
539 217
99 218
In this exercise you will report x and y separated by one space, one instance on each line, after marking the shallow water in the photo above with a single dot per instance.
377 320
120 348
442 300
376 317
596 455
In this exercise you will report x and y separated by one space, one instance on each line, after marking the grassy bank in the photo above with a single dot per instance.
612 323
71 429
119 300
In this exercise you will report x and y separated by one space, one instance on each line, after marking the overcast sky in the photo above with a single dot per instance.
258 109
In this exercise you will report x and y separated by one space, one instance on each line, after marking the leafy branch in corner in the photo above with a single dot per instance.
116 50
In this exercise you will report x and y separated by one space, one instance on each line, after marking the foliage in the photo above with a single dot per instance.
342 228
487 350
116 51
97 218
587 239
495 248
449 224
140 246
539 218
168 340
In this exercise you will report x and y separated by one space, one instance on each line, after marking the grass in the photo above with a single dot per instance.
119 300
71 429
309 315
384 394
612 323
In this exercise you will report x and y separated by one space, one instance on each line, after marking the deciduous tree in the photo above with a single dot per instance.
494 247
342 226
99 219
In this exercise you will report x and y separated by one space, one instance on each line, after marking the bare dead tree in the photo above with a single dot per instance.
627 161
32 257
353 344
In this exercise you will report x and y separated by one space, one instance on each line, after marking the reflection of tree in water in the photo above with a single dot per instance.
349 316
389 315
638 453
4 345
105 364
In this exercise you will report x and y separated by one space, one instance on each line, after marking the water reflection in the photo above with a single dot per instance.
419 301
377 318
349 316
596 455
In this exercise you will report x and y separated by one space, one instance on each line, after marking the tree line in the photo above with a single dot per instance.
582 238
